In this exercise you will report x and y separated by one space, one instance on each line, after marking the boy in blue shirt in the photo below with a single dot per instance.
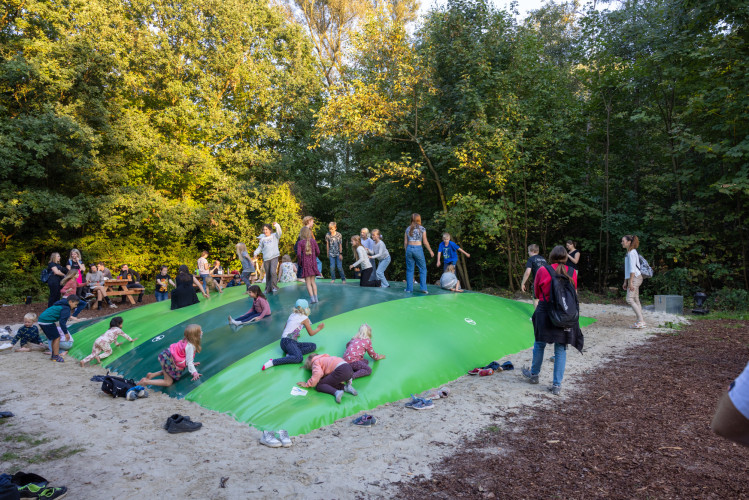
59 312
448 250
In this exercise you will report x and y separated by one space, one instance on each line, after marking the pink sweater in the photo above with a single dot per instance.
322 365
260 305
355 350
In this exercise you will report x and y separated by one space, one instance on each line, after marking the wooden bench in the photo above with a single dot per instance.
110 286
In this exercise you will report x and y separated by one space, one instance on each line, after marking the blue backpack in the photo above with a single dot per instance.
46 273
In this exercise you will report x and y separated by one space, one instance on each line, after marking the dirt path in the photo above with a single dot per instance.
638 428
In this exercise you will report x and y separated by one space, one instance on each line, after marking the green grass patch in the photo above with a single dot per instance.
26 438
54 454
8 456
734 315
494 429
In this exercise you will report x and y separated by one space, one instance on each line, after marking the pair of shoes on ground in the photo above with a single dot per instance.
482 372
32 490
178 423
136 392
420 403
365 420
269 439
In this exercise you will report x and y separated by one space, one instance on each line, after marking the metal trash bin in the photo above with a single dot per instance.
671 304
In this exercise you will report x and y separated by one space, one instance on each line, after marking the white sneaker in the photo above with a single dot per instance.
269 439
285 439
112 305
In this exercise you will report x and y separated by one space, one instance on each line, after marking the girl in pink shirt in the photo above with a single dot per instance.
260 308
355 349
330 374
103 345
176 358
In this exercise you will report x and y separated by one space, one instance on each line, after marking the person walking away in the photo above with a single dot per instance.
544 331
532 265
248 264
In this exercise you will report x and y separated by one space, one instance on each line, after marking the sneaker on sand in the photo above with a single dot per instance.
182 424
555 390
350 389
533 379
31 490
423 404
269 439
485 372
283 436
365 420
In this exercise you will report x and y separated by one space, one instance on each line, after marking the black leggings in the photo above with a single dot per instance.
294 350
334 381
366 274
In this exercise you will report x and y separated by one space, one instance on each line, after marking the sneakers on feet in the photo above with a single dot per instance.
533 379
269 439
283 436
350 389
113 305
555 389
338 396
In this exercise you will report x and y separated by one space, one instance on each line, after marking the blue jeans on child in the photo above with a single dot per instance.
161 296
335 262
294 350
415 257
380 272
247 317
560 360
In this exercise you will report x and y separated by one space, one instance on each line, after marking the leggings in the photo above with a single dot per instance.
294 350
333 382
633 297
361 368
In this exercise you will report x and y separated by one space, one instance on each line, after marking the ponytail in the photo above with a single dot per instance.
634 242
559 256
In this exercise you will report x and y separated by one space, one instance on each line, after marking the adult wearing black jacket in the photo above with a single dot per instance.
128 274
56 273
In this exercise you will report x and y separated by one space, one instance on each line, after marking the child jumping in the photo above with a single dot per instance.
354 354
175 358
102 346
260 308
449 281
295 350
329 374
27 334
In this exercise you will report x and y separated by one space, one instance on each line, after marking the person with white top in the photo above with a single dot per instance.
363 263
268 245
295 350
633 277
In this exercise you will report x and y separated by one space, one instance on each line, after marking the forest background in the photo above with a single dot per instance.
144 131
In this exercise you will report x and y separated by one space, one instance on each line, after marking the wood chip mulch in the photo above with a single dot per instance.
639 428
13 314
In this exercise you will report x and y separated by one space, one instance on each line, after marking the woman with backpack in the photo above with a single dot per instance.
545 331
633 277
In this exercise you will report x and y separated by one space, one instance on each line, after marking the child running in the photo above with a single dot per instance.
102 346
354 354
260 308
295 350
329 374
175 358
28 334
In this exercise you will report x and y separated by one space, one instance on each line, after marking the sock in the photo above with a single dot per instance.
338 396
268 364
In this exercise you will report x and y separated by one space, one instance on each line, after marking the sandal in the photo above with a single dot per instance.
57 358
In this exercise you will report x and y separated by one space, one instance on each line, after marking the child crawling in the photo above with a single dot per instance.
330 374
103 345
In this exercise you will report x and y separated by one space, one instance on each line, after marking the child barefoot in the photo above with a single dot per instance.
449 281
329 374
260 308
175 358
27 334
354 354
102 346
295 350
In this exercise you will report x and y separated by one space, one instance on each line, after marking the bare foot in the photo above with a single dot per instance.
149 376
63 353
144 381
81 363
23 349
98 359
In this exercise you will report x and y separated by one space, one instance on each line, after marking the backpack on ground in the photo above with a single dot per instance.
116 386
563 307
46 273
644 267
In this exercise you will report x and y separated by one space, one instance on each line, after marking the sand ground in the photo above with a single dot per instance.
103 448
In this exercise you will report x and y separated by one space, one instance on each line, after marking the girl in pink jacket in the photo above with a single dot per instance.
330 374
176 358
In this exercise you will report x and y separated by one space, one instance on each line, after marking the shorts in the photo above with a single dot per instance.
50 330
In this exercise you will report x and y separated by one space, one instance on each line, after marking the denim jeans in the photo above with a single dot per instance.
560 360
82 304
415 257
247 317
160 296
384 263
335 262
245 277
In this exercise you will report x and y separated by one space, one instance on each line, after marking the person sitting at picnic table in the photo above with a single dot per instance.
95 281
216 269
105 272
128 274
184 294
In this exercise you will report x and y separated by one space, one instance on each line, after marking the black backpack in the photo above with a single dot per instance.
46 273
117 386
563 308
538 263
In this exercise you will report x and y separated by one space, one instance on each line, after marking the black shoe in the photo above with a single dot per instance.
172 418
182 424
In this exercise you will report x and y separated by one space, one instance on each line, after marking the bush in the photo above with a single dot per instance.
730 299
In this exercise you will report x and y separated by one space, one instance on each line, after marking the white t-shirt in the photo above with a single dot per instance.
294 326
739 394
203 265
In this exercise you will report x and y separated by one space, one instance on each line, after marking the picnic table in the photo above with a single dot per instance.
111 291
224 279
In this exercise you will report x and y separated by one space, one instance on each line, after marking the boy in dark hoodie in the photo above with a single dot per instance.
58 313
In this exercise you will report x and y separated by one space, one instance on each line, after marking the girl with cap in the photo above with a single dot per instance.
295 350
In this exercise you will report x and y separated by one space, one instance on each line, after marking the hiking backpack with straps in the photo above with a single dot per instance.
563 308
116 386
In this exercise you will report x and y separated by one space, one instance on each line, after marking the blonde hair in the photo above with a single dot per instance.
69 276
308 361
30 316
241 247
306 234
450 268
286 258
365 332
54 256
306 219
331 225
377 231
192 335
364 230
446 234
533 248
355 242
75 250
301 310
